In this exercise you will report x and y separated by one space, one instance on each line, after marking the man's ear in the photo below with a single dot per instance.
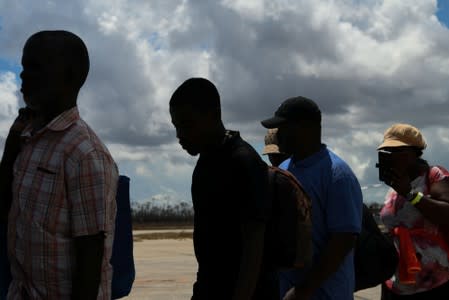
213 115
69 75
71 79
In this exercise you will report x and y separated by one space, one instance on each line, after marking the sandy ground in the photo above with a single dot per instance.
166 271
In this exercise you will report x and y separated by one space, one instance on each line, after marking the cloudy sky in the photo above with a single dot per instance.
367 63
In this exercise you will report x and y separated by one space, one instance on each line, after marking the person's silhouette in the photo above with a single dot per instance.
271 148
229 193
62 203
336 199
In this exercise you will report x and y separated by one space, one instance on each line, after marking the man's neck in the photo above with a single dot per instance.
217 137
43 118
306 151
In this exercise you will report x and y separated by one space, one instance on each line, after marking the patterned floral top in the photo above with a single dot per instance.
398 212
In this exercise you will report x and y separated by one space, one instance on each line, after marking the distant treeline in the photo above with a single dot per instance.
151 214
181 214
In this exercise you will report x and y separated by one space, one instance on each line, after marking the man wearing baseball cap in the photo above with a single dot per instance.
417 206
272 149
336 203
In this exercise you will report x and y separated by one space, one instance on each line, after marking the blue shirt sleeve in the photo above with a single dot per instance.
284 165
344 207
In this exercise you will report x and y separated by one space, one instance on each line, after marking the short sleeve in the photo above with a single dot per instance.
344 207
253 193
92 188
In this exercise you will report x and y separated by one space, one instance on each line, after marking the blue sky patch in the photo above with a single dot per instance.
155 41
443 12
8 65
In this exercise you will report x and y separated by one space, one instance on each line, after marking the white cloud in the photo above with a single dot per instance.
367 63
142 170
9 103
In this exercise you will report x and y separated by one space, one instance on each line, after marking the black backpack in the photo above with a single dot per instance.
375 256
5 274
122 259
289 240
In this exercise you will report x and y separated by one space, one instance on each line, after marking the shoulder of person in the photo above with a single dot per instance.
438 182
437 173
82 140
243 152
341 169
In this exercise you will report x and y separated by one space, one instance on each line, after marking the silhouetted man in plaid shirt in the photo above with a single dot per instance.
58 180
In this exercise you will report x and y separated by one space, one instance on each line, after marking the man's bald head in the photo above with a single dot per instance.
66 47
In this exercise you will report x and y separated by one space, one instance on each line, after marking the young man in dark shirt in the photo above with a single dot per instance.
229 194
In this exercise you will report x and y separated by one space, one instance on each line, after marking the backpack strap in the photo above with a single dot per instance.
289 176
306 205
272 174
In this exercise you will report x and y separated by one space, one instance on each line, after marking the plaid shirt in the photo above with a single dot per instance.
65 183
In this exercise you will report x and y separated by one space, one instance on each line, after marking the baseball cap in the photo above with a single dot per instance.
271 142
294 109
403 135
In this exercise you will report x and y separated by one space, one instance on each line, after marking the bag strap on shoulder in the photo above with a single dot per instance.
288 175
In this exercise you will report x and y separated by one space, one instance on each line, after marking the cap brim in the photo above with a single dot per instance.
270 149
392 143
273 122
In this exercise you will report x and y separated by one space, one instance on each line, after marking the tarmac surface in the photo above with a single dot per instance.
165 270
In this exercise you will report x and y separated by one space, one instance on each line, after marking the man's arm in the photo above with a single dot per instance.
92 187
344 220
89 257
10 153
338 247
6 173
252 180
251 259
435 206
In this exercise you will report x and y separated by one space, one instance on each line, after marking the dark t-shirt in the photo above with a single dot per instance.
229 188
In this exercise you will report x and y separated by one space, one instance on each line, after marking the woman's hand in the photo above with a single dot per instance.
400 182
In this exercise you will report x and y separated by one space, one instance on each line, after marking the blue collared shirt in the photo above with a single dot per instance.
336 207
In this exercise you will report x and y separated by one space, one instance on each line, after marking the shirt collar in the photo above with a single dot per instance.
60 123
64 120
312 159
228 140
